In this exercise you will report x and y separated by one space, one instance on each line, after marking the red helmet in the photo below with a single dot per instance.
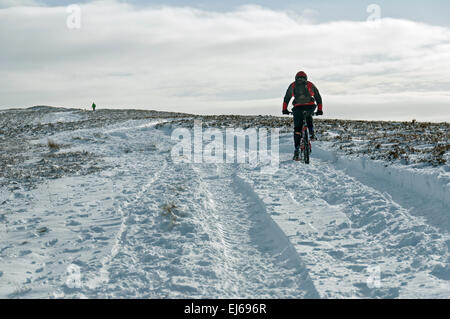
301 74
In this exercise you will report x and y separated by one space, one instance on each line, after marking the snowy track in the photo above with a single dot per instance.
149 228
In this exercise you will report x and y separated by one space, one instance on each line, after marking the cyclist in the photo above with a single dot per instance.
305 95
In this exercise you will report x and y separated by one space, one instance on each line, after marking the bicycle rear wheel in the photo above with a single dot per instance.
306 149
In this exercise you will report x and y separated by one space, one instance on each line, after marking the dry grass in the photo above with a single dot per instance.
52 145
168 210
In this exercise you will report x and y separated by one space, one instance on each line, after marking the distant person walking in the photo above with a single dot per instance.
93 106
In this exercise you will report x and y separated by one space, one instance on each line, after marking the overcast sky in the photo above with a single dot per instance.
221 57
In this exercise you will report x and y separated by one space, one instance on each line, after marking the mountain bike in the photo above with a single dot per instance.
305 142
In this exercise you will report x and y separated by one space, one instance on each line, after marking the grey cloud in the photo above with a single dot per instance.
241 61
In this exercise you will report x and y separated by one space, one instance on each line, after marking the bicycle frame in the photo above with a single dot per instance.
305 143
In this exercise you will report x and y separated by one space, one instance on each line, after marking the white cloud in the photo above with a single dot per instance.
242 61
14 3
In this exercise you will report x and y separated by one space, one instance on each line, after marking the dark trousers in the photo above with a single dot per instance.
298 121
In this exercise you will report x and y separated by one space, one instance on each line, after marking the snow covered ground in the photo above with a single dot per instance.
128 222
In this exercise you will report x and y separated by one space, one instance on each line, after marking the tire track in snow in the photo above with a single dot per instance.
258 259
122 209
216 229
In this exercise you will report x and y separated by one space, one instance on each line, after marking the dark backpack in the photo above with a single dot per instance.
302 94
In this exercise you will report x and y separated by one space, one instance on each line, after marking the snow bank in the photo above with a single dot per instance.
431 184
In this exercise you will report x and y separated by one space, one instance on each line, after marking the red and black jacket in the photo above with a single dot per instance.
312 90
